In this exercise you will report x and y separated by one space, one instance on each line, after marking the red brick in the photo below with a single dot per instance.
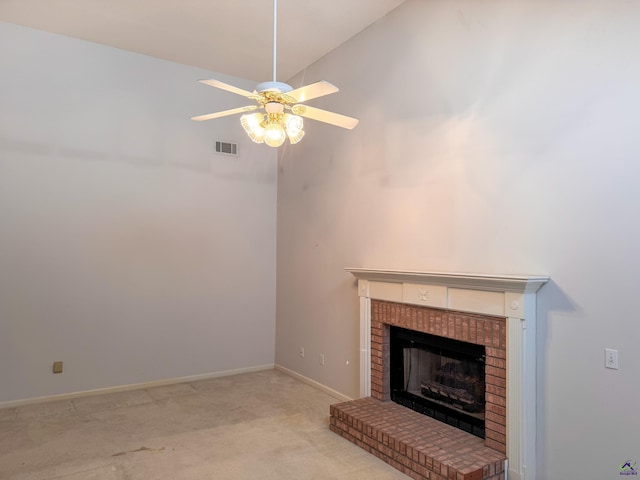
496 427
420 470
451 325
497 381
496 372
497 436
496 335
493 417
488 333
498 446
476 475
500 391
497 409
496 352
495 399
496 362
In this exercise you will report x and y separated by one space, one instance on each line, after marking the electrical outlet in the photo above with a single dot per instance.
322 359
301 352
611 358
57 367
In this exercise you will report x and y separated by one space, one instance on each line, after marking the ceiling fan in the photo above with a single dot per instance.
273 123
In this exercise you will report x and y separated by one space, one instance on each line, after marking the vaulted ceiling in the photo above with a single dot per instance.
234 37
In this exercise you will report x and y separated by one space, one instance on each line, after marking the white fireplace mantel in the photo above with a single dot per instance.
509 296
474 281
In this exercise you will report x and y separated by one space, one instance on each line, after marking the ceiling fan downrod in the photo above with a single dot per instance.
275 36
274 85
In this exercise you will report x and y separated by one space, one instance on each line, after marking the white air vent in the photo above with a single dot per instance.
227 148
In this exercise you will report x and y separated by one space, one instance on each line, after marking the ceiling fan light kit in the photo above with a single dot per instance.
274 125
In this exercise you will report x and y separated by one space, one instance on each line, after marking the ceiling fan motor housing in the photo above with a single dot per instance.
279 87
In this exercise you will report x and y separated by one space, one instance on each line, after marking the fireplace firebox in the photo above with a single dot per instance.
442 378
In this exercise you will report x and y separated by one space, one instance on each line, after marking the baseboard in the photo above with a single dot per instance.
329 391
134 386
513 475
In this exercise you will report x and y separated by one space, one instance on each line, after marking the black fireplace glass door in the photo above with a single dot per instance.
439 377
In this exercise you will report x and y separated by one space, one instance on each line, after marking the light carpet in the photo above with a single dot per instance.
264 425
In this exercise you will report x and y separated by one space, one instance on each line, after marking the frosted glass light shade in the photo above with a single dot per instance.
294 127
274 135
273 128
252 124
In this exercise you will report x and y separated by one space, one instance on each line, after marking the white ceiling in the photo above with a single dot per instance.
234 37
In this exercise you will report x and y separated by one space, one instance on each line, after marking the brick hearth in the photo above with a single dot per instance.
419 446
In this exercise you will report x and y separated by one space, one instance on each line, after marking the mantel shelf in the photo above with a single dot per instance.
472 281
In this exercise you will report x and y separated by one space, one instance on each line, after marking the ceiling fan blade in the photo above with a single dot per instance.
314 90
225 86
224 113
325 116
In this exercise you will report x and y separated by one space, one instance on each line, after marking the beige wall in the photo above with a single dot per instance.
128 248
495 137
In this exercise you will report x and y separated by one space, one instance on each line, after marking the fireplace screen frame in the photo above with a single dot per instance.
403 340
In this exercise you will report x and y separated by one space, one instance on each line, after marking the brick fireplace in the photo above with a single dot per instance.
497 312
473 328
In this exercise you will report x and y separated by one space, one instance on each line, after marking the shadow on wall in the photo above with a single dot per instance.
209 164
550 298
